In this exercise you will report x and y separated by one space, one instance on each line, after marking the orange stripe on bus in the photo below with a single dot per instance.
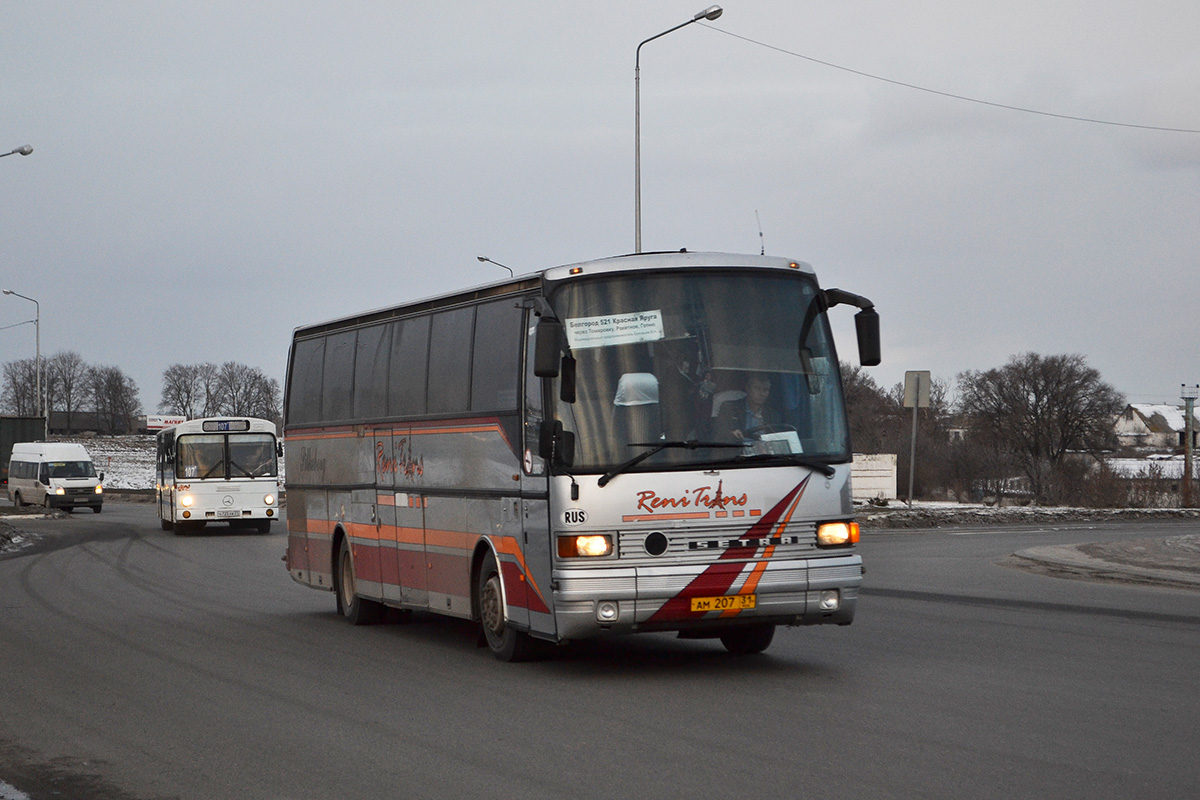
761 567
652 517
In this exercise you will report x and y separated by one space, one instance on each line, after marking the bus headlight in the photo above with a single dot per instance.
585 546
269 499
99 489
835 534
186 501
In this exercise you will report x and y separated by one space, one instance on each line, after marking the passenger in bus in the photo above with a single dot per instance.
737 418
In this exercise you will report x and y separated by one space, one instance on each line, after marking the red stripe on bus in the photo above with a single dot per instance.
720 576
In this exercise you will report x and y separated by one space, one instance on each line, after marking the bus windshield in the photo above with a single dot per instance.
234 455
705 367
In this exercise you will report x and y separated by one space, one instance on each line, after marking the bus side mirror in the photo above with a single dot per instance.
566 391
866 326
547 347
555 444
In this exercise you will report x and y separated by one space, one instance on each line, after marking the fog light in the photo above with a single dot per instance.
607 611
187 515
270 512
830 599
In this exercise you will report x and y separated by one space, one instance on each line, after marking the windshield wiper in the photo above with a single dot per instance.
824 467
655 448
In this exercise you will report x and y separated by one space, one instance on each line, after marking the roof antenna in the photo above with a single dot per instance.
497 263
762 248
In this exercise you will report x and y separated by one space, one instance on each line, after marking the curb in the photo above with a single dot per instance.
1172 562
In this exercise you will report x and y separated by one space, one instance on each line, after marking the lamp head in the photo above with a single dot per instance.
710 13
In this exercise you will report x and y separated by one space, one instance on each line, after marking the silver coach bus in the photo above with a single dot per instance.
652 442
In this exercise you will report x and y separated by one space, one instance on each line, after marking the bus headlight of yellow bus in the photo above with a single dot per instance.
837 534
589 546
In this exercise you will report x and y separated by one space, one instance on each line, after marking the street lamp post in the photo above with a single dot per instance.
1189 395
23 150
710 13
37 339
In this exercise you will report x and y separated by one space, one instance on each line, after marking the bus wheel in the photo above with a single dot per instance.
263 526
357 610
17 501
506 644
166 524
747 640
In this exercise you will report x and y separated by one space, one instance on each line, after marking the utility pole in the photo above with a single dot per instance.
916 395
1189 394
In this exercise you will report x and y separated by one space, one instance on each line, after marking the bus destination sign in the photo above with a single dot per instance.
226 425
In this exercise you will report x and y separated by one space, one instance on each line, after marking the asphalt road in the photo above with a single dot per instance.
135 664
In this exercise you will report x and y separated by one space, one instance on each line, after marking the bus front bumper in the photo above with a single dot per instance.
590 601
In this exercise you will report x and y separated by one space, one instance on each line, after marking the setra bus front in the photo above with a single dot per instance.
697 448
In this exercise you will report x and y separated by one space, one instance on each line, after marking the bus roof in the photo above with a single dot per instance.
675 259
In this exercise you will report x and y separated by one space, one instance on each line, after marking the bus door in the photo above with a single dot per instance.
165 476
535 501
400 510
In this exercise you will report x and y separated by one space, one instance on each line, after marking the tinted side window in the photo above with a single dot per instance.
304 381
497 357
371 371
410 351
338 393
450 360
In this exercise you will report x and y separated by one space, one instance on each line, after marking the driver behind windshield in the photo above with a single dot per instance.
737 418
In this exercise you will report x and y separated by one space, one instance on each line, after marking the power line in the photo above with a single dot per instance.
950 95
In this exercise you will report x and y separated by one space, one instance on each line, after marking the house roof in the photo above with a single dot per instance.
1164 418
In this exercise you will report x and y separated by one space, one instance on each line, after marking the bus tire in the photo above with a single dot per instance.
357 610
166 524
17 501
263 525
505 643
748 639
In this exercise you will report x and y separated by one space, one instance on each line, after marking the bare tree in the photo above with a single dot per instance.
234 389
183 392
66 379
246 391
1038 408
20 387
115 396
874 415
208 375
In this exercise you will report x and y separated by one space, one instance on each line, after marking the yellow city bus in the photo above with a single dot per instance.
652 442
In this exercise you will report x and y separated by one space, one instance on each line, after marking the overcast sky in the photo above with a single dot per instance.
208 176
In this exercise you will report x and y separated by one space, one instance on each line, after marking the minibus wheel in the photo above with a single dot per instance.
748 640
506 644
17 501
357 610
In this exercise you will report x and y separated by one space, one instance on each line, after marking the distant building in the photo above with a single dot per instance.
1146 426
